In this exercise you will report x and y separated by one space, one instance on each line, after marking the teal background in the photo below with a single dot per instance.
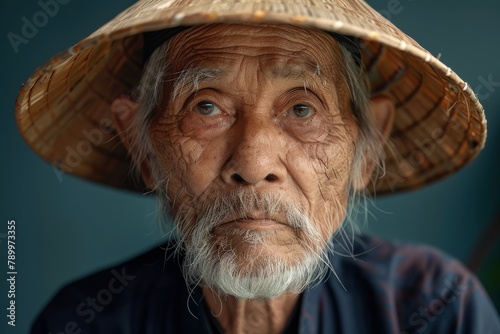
67 229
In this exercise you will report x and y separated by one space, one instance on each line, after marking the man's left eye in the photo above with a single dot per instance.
301 110
207 108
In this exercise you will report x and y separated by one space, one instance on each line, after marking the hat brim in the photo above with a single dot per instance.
63 110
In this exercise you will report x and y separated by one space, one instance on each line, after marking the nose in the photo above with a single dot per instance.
256 157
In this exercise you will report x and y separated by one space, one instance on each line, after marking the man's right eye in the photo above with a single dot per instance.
207 108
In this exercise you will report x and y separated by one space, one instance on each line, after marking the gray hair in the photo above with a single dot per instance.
368 147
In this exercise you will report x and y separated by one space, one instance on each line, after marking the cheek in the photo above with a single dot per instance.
322 172
188 163
335 187
330 214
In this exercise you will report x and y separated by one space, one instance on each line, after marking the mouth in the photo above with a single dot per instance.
254 221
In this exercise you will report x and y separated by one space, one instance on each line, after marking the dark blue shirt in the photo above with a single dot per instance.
387 287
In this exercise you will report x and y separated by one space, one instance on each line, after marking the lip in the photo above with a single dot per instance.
253 221
256 222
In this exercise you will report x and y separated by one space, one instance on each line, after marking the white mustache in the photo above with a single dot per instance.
248 204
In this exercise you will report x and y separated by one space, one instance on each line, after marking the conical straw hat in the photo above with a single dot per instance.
63 110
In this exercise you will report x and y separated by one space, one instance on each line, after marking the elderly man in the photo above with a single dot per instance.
260 127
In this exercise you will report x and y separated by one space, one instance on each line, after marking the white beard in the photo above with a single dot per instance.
251 270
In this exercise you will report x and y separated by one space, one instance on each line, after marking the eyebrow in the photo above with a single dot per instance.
295 71
189 80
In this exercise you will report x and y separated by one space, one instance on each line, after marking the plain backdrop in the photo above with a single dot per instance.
69 228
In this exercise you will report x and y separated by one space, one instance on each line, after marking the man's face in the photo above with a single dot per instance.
267 121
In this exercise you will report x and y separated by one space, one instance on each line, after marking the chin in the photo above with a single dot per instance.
265 277
253 263
253 245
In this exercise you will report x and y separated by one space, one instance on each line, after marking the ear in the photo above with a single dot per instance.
123 112
383 113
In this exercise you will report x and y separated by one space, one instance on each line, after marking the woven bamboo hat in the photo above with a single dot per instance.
63 110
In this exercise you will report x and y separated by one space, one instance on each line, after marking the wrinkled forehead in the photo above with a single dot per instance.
278 50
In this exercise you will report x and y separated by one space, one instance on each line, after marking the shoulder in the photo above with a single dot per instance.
410 261
132 287
428 290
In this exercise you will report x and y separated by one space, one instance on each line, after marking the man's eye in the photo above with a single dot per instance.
301 110
207 108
